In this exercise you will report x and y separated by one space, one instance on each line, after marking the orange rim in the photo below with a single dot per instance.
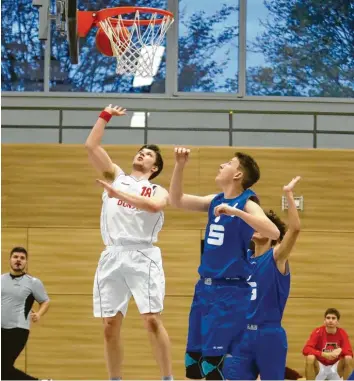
110 12
87 19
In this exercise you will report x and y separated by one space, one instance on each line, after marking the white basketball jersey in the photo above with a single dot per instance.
121 223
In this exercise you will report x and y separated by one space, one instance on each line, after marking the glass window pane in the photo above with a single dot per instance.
96 72
300 48
208 46
22 57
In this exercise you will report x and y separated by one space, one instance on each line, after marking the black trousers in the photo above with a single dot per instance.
12 343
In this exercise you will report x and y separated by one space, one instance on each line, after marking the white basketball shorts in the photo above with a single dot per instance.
328 372
123 272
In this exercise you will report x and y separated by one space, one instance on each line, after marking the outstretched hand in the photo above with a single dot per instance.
290 187
108 187
116 110
182 155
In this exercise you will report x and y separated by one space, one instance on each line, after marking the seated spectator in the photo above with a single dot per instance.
328 351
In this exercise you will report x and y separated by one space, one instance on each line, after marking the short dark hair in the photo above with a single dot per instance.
19 249
158 161
278 223
332 311
251 169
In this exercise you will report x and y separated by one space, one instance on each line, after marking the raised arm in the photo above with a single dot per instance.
152 204
254 216
179 199
97 155
283 250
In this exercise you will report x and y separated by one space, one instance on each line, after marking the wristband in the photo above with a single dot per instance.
106 116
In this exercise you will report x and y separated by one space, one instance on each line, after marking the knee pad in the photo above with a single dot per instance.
193 364
212 367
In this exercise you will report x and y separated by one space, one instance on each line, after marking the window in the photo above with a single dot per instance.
22 54
300 48
208 46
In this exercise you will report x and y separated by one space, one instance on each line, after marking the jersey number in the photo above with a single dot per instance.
254 290
146 192
216 235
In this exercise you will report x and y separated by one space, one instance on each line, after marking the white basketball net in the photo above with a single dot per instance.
136 51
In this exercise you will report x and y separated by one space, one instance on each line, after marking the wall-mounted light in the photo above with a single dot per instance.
299 202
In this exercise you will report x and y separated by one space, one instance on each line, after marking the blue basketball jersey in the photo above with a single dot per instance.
270 290
227 239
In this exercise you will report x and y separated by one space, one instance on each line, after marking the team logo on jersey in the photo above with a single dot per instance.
329 347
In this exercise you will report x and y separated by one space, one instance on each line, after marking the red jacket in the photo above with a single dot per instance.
321 341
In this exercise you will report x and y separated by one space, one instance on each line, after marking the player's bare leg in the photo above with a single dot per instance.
345 367
160 343
311 367
113 349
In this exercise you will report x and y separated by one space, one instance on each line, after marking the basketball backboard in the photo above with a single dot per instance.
65 18
71 30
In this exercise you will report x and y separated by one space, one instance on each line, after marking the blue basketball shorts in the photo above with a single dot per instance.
217 315
261 350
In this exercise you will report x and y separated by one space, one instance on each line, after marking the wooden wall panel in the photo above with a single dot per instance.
322 265
181 258
21 361
65 183
55 185
65 259
10 238
328 180
68 343
138 352
43 185
302 315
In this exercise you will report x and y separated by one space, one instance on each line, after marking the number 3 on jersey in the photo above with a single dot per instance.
216 235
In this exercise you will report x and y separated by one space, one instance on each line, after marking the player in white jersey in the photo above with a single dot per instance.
131 218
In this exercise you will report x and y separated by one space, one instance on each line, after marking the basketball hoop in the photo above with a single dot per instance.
134 42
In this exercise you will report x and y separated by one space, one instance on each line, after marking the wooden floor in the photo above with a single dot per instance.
51 205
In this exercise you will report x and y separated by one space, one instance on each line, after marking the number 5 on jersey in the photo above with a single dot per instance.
254 290
216 235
